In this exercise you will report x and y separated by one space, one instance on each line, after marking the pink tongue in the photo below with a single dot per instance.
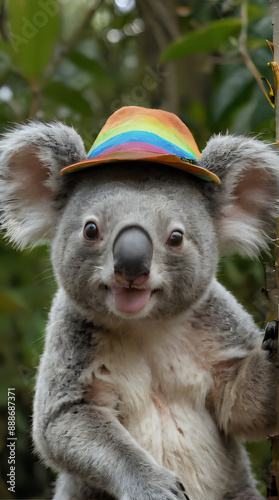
130 300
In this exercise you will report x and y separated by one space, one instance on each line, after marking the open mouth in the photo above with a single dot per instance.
130 300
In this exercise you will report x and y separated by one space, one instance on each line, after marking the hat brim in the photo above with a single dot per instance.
172 160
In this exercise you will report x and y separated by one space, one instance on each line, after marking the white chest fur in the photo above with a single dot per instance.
156 382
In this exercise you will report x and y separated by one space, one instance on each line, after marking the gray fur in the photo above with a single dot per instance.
26 189
248 169
130 406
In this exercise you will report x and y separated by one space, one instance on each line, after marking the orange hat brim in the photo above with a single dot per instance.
171 160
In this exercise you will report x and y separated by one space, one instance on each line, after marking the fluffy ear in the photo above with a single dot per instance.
31 157
248 194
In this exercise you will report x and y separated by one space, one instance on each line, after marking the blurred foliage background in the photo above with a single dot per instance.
80 60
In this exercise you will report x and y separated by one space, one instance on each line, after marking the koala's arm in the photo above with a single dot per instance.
82 438
245 395
243 399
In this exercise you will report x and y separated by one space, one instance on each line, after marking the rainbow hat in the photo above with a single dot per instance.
139 134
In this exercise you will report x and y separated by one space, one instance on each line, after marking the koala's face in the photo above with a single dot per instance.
136 242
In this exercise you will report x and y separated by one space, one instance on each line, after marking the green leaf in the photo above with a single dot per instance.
5 64
60 93
73 13
87 64
10 302
256 11
204 40
256 43
231 92
34 27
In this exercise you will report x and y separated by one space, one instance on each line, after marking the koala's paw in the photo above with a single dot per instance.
161 485
270 341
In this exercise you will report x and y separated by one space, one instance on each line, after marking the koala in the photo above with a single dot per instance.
152 373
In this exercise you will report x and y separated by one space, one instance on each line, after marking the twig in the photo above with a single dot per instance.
84 23
36 97
161 28
36 89
243 49
3 21
275 23
67 44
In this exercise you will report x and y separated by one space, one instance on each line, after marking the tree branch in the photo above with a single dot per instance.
36 97
244 52
161 29
275 23
275 68
66 45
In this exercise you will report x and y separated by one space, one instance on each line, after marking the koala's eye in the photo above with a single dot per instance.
91 231
175 239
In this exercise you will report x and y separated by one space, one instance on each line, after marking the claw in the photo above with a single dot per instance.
271 330
181 486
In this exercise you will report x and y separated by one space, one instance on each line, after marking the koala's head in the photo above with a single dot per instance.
135 240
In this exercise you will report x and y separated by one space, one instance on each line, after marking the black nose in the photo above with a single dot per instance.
132 252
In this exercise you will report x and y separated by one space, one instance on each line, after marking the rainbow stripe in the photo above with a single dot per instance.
151 135
139 129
